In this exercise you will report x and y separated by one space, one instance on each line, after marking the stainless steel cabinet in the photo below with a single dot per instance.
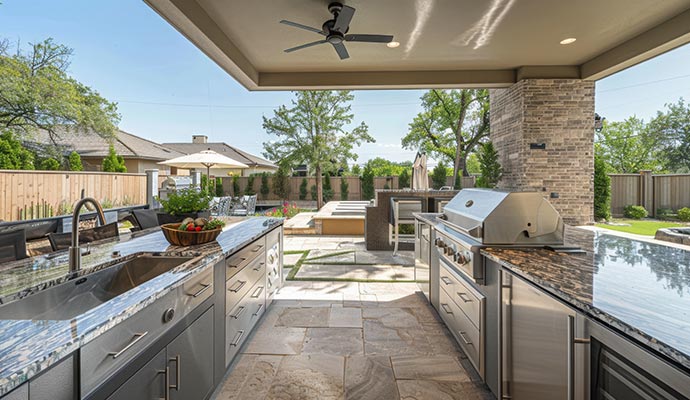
19 393
146 384
422 252
190 361
544 350
57 383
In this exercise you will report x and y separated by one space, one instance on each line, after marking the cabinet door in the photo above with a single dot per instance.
57 383
190 360
535 333
19 393
147 384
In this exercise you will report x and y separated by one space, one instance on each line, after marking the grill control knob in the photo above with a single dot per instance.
168 315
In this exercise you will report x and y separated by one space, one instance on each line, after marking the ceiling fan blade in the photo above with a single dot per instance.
369 38
307 28
342 22
304 46
341 50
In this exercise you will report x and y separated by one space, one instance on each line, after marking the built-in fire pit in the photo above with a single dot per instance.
674 235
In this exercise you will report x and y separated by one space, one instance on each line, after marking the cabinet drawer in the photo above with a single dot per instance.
197 289
236 262
240 284
465 333
240 321
466 298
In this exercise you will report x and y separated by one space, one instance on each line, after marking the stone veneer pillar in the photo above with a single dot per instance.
557 114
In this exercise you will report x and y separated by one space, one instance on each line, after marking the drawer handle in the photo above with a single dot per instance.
238 337
137 337
258 310
239 284
446 308
202 290
257 292
446 280
166 395
239 312
261 264
257 248
464 338
464 297
242 259
178 368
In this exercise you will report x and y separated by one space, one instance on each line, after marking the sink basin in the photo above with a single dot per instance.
75 297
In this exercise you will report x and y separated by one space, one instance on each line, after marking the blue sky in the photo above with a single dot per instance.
167 89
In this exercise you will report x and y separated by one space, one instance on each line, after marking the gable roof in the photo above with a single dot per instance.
89 144
224 149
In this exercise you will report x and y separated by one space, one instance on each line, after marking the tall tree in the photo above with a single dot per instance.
489 166
629 146
37 92
450 126
312 131
12 154
673 127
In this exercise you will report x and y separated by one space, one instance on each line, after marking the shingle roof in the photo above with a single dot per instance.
224 149
89 144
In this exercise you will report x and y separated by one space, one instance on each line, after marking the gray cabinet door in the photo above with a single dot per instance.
20 393
147 384
190 360
57 383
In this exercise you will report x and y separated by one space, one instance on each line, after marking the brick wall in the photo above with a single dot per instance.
560 114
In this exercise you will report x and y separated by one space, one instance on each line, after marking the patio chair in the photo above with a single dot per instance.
146 218
246 207
402 212
60 241
12 245
221 206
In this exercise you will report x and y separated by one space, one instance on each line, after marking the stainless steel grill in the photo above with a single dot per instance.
173 184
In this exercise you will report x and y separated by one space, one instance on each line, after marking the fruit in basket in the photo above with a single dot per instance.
200 224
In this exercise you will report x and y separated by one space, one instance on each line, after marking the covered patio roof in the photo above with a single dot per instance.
459 43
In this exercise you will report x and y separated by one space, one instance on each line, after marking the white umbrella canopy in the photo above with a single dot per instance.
420 176
204 159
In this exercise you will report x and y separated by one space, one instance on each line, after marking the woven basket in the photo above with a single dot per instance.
187 238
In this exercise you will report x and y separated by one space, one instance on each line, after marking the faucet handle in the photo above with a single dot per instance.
87 251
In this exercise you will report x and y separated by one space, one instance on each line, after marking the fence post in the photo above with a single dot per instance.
647 192
152 188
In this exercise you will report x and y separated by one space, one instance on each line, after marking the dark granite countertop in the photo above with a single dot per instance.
638 288
28 347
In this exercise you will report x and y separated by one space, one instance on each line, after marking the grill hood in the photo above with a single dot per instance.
497 217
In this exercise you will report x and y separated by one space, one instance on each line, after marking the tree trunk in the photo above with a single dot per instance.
319 187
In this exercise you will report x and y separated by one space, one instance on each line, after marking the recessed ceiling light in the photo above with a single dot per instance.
393 45
568 40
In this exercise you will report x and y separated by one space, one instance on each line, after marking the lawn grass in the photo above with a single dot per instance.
646 227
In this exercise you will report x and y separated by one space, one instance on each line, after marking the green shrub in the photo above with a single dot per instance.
74 162
185 201
386 186
265 189
281 182
113 162
602 189
684 214
438 175
489 166
49 164
327 189
664 213
635 212
404 179
303 189
313 192
344 189
249 190
367 179
235 185
356 170
219 187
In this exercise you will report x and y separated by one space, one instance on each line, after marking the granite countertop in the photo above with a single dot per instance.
28 347
639 288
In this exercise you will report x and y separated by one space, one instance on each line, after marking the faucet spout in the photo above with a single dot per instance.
74 249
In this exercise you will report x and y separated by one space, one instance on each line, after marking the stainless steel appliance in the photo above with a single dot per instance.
422 255
174 183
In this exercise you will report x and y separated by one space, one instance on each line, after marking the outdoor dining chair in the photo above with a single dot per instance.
60 241
247 206
221 206
146 218
402 212
12 245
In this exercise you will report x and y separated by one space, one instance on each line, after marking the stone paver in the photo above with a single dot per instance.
358 272
345 317
291 259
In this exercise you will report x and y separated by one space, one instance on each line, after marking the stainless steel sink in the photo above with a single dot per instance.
75 297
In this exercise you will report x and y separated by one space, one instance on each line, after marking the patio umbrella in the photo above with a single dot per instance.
204 159
420 177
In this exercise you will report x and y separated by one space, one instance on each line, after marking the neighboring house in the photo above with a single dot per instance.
139 154
200 142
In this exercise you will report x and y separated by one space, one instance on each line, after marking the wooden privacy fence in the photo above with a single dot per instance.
37 194
653 192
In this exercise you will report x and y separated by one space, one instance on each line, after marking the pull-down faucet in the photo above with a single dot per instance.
74 250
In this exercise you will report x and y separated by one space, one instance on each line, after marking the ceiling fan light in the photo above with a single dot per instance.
393 45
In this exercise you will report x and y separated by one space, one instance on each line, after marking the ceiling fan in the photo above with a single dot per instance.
335 31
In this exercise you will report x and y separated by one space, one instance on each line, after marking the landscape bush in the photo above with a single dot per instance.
185 201
404 179
344 189
684 214
249 190
303 189
367 179
635 212
438 175
664 213
602 189
265 189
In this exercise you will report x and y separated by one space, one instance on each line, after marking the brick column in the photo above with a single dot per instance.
543 130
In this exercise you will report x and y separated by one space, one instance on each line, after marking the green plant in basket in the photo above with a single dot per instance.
200 224
185 201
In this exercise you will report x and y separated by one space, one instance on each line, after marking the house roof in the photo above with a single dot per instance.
89 144
225 149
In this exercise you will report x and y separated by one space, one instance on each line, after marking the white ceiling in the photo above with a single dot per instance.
492 38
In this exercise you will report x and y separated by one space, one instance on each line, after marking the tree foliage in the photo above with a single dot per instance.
12 154
74 162
281 182
37 92
344 189
264 189
489 166
602 189
382 167
672 126
113 162
451 125
312 131
49 164
438 175
367 179
356 170
404 178
629 146
303 189
249 190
